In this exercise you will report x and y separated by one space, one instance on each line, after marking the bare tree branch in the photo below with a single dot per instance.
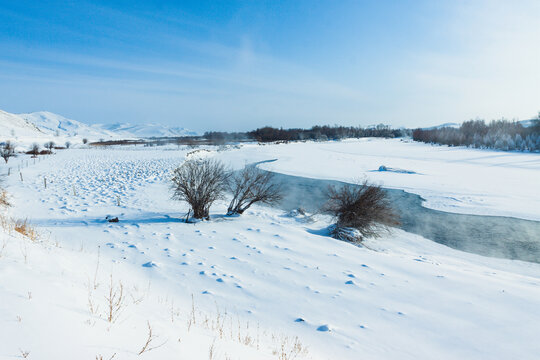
362 207
252 185
200 183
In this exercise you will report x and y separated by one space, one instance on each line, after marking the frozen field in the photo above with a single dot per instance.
245 287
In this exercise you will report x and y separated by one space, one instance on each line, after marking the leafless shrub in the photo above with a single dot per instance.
252 185
68 144
199 183
49 145
360 211
7 150
34 149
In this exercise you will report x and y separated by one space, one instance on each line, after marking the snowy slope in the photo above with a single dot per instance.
267 274
13 126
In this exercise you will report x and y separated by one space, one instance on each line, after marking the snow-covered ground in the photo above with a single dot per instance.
453 179
265 276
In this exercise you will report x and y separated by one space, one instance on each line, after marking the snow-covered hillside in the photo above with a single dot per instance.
57 125
14 127
43 126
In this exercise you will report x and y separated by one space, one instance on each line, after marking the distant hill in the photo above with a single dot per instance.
13 126
57 125
45 125
147 130
452 125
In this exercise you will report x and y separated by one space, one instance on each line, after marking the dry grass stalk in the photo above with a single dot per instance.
290 349
149 340
100 357
115 301
4 202
24 353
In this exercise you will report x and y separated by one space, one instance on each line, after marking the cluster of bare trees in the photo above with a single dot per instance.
201 182
359 211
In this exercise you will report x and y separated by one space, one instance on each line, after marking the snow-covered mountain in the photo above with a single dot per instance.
451 125
527 123
147 130
14 126
42 125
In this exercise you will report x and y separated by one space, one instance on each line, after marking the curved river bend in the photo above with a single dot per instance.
494 236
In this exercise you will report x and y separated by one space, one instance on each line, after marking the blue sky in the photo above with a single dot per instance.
236 65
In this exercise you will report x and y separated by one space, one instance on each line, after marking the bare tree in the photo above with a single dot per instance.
200 183
34 150
49 145
252 185
7 150
361 207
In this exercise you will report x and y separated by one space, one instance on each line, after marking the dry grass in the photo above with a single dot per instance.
290 348
24 354
100 357
4 202
27 230
150 339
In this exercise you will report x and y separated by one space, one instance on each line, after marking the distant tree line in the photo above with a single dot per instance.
325 132
498 134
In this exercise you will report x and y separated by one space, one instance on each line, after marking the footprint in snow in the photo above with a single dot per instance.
323 328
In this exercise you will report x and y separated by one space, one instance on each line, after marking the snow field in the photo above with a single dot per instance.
274 276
